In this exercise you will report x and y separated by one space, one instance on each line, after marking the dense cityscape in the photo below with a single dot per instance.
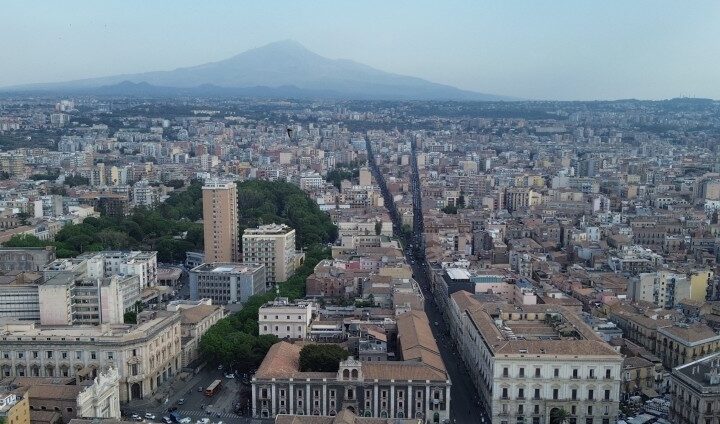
234 260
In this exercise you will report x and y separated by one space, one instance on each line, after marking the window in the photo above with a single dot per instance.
591 394
64 355
589 410
537 372
504 393
537 394
520 409
592 372
556 372
607 394
35 354
573 395
521 393
522 372
49 354
607 373
536 409
110 355
555 394
506 372
575 373
573 410
93 355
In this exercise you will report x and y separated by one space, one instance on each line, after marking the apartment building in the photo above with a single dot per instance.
227 282
220 221
695 391
145 354
272 245
284 319
530 361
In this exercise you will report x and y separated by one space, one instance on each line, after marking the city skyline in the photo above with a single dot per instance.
557 51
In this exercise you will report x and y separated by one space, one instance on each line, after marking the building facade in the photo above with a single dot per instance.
272 245
695 391
529 362
227 282
392 389
220 221
146 354
284 319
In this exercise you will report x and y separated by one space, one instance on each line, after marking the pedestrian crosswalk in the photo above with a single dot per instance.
213 417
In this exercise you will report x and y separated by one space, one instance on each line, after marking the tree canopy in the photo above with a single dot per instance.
234 340
266 202
322 357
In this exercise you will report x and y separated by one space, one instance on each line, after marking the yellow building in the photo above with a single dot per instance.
699 281
14 408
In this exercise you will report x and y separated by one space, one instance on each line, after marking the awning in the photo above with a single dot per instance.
650 392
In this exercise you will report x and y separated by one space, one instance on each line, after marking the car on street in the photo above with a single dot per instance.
149 416
136 417
229 375
200 389
203 420
181 401
220 367
166 420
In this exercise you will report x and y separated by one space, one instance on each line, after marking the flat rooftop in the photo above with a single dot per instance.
228 267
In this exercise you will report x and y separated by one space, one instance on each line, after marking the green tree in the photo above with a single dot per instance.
130 317
25 240
322 357
450 210
558 416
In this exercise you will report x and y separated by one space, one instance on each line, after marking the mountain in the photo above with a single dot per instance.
284 68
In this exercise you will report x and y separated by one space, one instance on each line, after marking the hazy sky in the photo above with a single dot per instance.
555 49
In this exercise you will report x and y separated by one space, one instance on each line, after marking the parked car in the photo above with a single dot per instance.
167 420
136 417
181 401
229 375
149 416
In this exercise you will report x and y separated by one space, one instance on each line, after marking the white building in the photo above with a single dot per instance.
528 362
284 319
146 354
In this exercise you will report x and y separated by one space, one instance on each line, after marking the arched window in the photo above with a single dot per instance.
346 373
354 373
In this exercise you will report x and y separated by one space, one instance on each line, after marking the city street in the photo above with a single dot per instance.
464 405
196 405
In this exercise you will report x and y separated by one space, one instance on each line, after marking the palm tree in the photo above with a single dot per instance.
558 416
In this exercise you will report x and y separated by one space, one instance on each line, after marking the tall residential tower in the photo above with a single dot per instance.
220 221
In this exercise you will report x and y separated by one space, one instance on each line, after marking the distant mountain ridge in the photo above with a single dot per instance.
284 68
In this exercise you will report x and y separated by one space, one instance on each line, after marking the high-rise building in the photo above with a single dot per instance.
220 221
273 246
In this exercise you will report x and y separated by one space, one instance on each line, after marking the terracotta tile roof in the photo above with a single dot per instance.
281 361
401 370
416 340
